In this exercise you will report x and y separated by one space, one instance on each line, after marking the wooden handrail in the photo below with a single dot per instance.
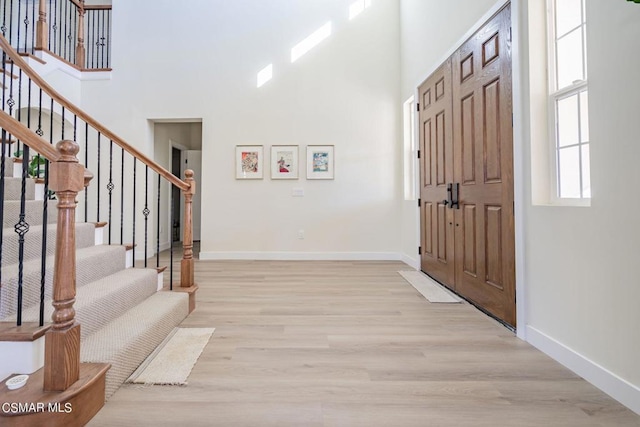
97 7
35 77
28 137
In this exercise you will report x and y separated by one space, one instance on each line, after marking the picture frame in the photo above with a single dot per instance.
249 162
284 161
320 162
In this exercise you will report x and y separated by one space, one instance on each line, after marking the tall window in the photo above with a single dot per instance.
409 143
569 98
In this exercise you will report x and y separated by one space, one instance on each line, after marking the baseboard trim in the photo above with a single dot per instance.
302 256
616 387
165 246
412 262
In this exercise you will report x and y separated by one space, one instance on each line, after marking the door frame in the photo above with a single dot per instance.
518 67
173 144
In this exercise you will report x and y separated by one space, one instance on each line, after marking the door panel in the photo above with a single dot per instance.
466 136
436 168
483 124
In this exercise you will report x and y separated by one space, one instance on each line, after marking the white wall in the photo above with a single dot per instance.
582 290
203 62
577 277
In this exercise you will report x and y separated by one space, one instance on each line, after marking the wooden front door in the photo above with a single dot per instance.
436 171
482 240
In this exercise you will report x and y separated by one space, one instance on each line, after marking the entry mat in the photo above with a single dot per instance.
429 288
172 362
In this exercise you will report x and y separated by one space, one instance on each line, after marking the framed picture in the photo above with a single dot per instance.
320 162
249 163
284 162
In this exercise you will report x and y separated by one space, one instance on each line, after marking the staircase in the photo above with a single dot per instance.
92 318
122 315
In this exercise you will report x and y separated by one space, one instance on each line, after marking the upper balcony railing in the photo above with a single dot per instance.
77 33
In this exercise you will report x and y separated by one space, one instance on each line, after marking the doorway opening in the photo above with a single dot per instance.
178 147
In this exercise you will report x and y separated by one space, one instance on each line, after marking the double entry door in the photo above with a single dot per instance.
466 171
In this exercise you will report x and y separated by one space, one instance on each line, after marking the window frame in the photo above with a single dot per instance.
409 150
554 96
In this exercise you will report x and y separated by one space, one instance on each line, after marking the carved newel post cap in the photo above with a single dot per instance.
68 149
188 173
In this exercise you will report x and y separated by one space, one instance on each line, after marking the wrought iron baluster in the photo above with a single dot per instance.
49 24
22 228
134 210
33 28
62 124
102 39
55 27
2 178
11 23
98 182
94 60
45 206
146 212
86 163
108 38
4 23
63 30
17 45
26 27
74 32
19 110
43 266
110 185
122 196
158 227
4 79
10 102
173 221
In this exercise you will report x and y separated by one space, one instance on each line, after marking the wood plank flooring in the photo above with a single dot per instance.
353 344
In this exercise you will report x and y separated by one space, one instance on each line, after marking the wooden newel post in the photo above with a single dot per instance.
80 51
42 32
187 264
62 342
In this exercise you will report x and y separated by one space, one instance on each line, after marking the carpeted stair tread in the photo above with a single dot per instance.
85 237
33 212
99 302
13 189
127 341
92 263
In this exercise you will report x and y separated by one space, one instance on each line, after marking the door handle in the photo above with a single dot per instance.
449 200
454 196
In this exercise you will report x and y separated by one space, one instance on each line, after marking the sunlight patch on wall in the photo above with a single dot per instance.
358 7
310 42
265 74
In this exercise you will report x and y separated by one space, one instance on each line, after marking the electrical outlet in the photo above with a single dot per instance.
301 234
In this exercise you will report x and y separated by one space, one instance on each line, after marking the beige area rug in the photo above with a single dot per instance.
429 288
172 362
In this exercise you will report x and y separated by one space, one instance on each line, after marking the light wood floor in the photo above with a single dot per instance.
353 344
